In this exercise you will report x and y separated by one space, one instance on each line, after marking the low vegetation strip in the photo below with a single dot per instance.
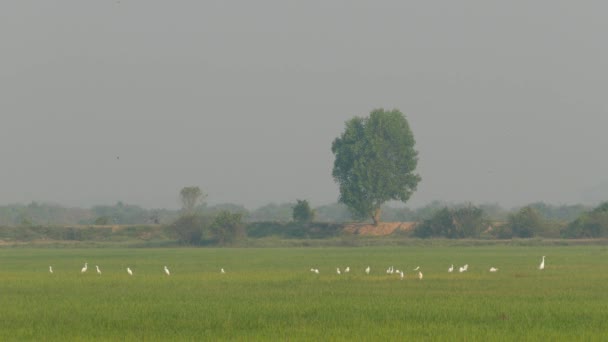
381 229
259 234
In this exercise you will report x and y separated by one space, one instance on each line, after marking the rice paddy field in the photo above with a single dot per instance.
270 294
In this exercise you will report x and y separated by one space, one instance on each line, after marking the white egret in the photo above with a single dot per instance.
129 271
419 275
493 269
167 271
98 270
222 271
347 269
51 269
417 268
338 270
461 269
367 270
451 269
542 264
401 275
84 269
316 270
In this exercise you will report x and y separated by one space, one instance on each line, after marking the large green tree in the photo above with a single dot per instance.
375 162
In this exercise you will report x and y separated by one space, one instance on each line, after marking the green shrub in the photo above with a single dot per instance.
465 222
294 230
593 224
227 228
527 222
302 212
189 229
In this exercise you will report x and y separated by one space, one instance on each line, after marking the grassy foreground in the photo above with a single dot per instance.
270 294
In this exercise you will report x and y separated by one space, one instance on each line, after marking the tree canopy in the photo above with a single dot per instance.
302 212
228 227
190 197
374 162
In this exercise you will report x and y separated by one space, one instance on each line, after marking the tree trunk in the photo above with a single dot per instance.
376 216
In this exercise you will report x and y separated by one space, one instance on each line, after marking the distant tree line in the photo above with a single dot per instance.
436 219
590 224
535 220
453 223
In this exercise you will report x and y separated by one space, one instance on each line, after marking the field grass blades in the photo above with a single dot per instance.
271 294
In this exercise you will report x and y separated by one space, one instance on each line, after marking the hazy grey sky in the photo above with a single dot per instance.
507 100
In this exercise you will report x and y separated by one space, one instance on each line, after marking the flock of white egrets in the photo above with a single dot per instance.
401 274
390 270
129 270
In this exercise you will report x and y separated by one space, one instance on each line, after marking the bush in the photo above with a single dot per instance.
593 224
294 230
465 222
502 231
102 221
302 212
527 222
227 228
190 229
437 225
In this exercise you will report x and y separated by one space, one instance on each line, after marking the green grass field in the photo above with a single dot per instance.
270 294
